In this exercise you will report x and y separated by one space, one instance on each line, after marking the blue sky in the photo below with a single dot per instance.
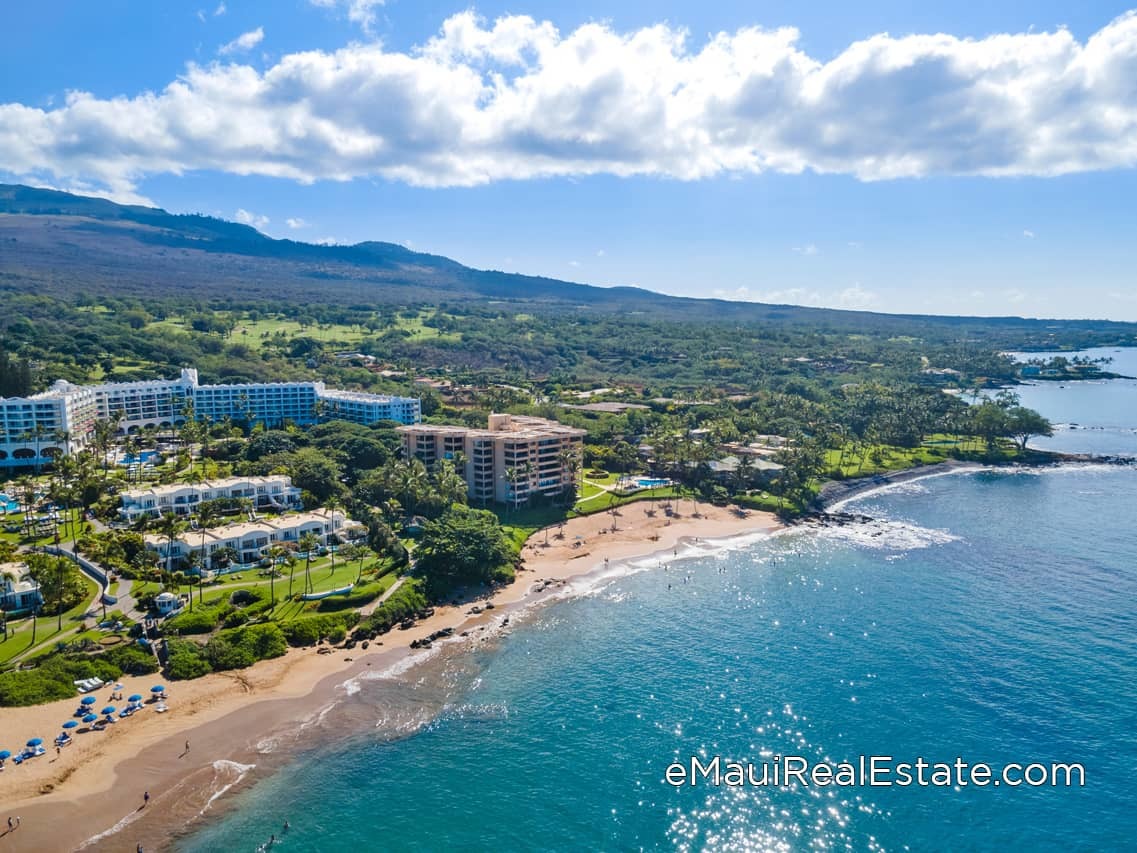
987 171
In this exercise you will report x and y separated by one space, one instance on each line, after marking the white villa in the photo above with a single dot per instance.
17 591
61 420
512 460
274 492
251 540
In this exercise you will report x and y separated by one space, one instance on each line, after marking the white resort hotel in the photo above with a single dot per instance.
252 540
515 458
274 492
61 420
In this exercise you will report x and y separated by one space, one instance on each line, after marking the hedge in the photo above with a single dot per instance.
404 603
52 679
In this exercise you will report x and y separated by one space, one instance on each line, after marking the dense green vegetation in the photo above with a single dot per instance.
757 405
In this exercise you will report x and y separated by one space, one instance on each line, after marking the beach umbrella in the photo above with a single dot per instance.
137 697
157 688
70 724
90 718
36 741
110 709
87 700
4 754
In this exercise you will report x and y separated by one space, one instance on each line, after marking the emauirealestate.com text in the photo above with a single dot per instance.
872 771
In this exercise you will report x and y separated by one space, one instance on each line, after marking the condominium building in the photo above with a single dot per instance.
60 421
274 491
252 540
513 459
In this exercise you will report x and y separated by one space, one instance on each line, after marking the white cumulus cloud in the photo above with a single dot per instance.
243 42
246 217
295 222
360 12
517 99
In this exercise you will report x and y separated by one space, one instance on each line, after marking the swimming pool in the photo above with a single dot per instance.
651 482
143 457
8 504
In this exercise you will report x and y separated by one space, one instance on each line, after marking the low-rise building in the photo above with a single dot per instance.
272 492
515 458
252 540
17 590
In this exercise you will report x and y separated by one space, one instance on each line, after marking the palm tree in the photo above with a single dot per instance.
39 432
194 559
170 526
206 515
512 475
333 504
61 571
309 542
278 554
360 553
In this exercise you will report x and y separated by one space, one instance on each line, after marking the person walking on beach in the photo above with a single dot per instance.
145 798
11 824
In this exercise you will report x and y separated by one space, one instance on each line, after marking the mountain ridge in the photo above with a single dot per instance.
60 243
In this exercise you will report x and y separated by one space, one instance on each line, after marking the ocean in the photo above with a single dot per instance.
987 616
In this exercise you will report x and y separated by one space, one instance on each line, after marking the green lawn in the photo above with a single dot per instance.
46 627
323 579
35 541
256 333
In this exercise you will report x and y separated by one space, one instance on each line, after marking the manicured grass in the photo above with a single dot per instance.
21 641
323 579
37 541
256 333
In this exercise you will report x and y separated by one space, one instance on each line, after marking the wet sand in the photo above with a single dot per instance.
97 784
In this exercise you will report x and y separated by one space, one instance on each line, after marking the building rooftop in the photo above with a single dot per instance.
265 526
500 425
223 483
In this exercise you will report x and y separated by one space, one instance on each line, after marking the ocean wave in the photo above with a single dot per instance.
883 534
227 769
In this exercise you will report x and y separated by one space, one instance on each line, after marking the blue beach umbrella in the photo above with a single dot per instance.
157 688
87 700
70 724
90 718
110 709
137 697
4 754
36 741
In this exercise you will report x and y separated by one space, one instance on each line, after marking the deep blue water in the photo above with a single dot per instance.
990 616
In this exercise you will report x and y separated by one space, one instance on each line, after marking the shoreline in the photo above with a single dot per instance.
224 717
836 492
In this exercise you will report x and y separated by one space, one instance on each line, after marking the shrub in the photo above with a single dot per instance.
405 602
358 597
52 679
131 659
186 660
238 648
199 621
236 618
308 631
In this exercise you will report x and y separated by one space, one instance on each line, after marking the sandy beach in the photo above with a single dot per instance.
98 782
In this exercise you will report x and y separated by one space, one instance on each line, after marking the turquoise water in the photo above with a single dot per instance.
989 616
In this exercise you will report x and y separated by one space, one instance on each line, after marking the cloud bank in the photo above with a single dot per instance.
517 99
